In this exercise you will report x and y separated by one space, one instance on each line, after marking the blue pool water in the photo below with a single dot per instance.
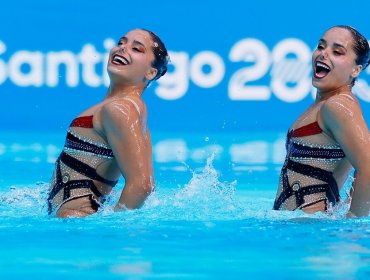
210 218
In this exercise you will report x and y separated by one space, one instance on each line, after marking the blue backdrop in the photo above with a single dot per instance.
235 65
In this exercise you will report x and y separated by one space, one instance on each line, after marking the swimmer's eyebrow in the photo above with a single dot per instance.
335 45
139 43
322 41
123 39
135 42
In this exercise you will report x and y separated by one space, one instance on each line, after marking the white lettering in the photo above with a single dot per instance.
289 79
108 45
32 60
54 60
3 72
216 73
89 57
291 70
250 51
175 83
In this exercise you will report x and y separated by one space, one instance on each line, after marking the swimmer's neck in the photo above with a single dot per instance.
325 94
124 90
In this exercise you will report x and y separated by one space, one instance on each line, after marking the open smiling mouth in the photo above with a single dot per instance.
321 70
119 60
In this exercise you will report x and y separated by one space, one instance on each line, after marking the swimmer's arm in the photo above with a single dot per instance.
342 118
149 154
122 127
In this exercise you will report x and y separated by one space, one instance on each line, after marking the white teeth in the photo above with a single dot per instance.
120 60
318 63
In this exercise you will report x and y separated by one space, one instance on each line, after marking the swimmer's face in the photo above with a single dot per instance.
131 59
333 61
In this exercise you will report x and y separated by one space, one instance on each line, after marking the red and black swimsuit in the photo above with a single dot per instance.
64 187
300 151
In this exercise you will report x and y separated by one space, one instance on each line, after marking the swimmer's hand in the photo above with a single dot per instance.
119 207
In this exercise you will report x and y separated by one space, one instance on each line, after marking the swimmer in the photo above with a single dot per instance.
331 136
111 139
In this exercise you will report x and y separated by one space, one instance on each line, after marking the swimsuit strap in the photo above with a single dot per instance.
73 142
71 185
314 127
314 172
84 121
84 169
306 130
304 151
330 188
301 193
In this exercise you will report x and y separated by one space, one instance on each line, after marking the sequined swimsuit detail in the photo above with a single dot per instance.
296 150
64 188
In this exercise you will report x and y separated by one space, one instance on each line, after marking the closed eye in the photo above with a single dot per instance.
320 47
138 49
121 41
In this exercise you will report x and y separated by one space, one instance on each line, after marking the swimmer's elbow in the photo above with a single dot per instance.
146 187
140 185
350 215
134 194
360 207
357 213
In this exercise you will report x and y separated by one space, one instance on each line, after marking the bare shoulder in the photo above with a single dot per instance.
340 107
123 108
121 112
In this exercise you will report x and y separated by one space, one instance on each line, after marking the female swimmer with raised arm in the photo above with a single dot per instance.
331 136
111 139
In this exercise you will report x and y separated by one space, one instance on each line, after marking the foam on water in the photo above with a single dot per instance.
23 200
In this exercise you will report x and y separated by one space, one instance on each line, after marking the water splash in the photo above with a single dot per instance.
204 197
27 200
205 186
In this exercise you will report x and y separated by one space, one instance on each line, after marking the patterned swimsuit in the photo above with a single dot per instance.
291 195
68 165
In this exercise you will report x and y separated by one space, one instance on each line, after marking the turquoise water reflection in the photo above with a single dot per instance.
210 218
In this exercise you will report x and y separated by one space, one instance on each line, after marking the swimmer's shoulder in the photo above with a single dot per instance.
338 109
339 103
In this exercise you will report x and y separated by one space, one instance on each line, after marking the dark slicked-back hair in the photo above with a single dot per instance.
161 57
360 45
